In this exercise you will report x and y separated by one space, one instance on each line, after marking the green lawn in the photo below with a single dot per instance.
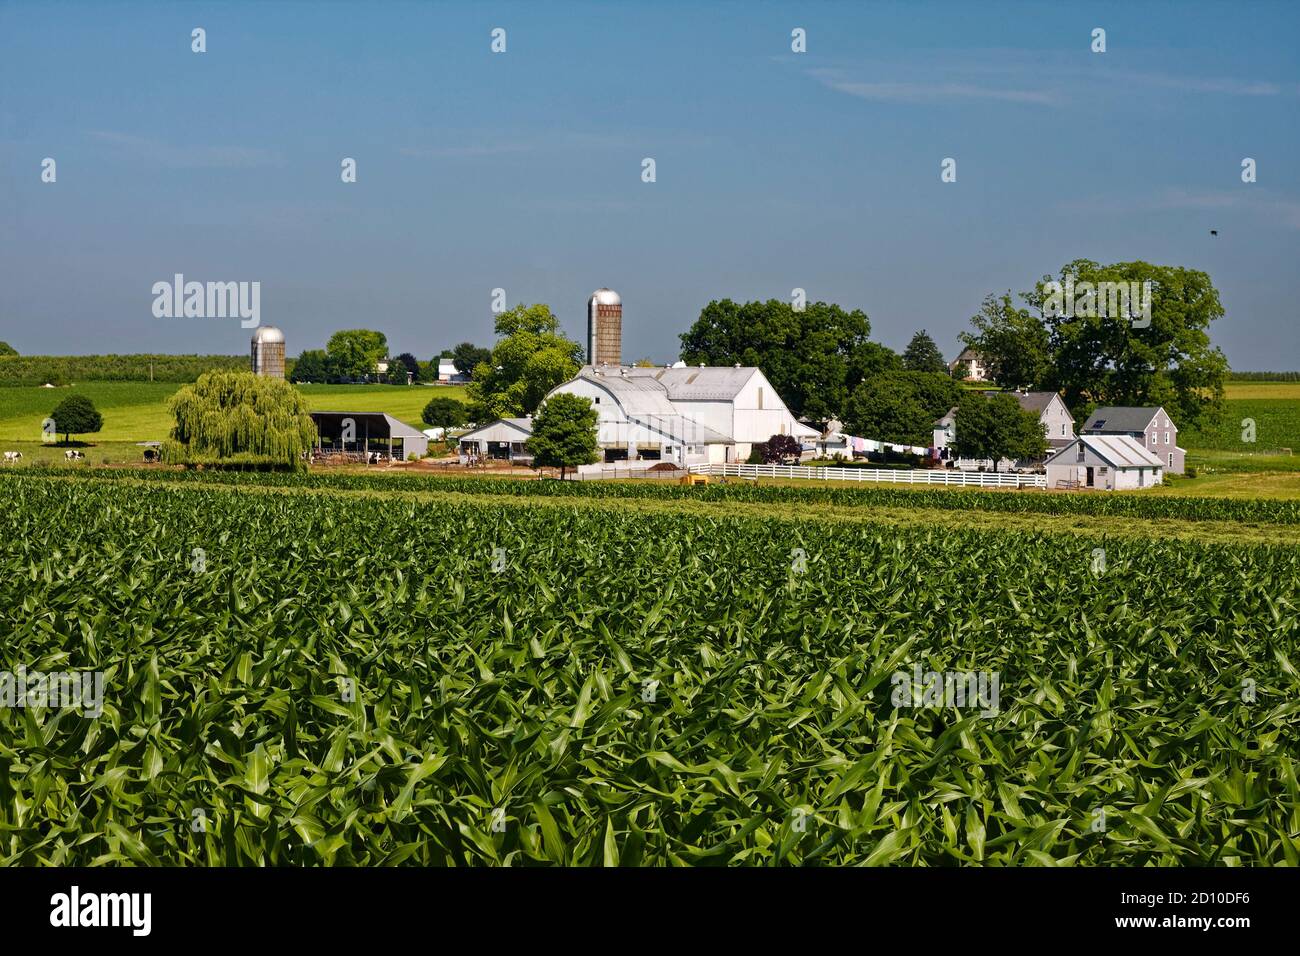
137 411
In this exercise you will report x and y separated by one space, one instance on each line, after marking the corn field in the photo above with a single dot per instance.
1135 504
285 682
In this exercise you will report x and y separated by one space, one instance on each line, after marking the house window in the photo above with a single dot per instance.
1103 469
596 399
1080 453
1154 439
1171 459
1062 429
1166 438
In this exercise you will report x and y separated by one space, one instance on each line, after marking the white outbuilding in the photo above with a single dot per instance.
1108 462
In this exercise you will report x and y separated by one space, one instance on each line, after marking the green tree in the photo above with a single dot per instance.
467 356
76 415
922 355
312 366
564 433
238 418
7 349
531 358
1013 343
995 426
813 358
399 366
900 407
1164 359
444 413
356 353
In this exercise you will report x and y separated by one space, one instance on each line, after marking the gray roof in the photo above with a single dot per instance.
1120 450
1110 419
379 421
947 419
638 396
682 429
695 384
524 425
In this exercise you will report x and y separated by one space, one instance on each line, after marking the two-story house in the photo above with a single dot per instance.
1152 427
1057 422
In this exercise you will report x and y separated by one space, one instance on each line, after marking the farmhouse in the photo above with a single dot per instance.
1109 462
969 365
1151 427
360 434
1057 422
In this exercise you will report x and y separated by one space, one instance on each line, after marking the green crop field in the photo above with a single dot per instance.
137 411
508 684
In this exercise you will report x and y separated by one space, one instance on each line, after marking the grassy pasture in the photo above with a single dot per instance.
137 411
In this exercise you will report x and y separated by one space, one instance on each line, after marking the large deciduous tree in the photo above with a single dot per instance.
564 433
444 413
355 354
813 358
467 356
76 415
238 418
313 365
900 407
994 426
1080 344
531 358
1012 343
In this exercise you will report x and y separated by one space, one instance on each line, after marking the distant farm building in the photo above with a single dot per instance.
1149 426
969 365
501 440
362 434
1108 462
1057 422
447 371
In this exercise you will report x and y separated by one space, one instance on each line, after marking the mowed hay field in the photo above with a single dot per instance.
1273 406
521 684
137 411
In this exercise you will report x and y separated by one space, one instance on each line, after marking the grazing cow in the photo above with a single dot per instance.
13 455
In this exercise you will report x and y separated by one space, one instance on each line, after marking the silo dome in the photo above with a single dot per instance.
266 334
603 296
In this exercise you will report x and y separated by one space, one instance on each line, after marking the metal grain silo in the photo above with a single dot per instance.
605 328
268 351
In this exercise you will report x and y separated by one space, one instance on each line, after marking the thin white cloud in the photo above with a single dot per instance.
898 92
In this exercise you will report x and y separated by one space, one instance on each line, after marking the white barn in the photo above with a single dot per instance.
687 414
1108 462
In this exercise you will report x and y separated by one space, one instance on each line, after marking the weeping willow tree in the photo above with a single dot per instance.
238 419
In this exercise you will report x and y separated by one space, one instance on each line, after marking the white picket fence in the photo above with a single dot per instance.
913 476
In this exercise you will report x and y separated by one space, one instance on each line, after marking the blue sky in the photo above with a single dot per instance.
522 170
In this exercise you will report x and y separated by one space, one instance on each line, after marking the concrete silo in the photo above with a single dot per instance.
605 328
268 351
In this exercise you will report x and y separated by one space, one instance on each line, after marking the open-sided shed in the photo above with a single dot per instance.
361 433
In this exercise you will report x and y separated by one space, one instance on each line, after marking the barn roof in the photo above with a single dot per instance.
378 423
1120 419
696 384
1121 451
638 396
